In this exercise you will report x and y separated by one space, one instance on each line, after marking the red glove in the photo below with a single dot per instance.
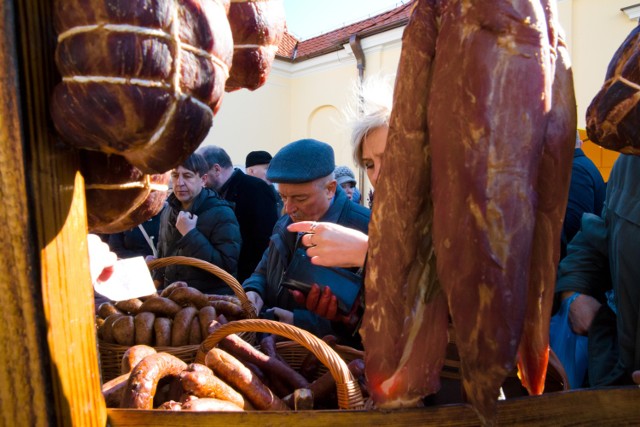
324 304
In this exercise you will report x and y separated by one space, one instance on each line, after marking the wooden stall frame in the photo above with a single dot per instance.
48 358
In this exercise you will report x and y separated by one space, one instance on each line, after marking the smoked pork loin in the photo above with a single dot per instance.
480 140
141 79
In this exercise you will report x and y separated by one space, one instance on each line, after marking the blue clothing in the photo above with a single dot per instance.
586 195
266 279
604 256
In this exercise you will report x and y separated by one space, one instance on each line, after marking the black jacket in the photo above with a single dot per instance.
131 243
255 208
216 239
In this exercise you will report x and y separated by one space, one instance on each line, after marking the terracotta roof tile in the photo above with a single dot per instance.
333 40
287 45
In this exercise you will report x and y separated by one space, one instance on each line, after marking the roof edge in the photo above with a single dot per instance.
344 40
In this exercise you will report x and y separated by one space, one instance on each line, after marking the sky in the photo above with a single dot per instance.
310 18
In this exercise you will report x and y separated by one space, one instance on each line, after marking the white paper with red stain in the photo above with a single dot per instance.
130 279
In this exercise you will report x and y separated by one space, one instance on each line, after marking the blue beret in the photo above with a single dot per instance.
301 161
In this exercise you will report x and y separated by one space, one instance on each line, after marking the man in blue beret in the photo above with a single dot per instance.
303 171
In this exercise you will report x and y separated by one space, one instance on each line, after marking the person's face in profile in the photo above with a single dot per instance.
373 147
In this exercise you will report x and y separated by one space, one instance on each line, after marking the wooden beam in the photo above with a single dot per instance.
604 407
49 345
23 353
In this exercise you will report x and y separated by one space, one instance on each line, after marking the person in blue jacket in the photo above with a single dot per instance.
304 172
586 194
602 266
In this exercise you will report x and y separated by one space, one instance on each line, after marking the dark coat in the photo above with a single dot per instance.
586 195
266 279
604 256
131 243
255 208
216 239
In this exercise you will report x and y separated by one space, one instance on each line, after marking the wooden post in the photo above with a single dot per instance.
48 355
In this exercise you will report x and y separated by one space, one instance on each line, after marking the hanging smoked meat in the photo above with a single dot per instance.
492 137
554 178
257 27
612 116
119 196
141 79
497 141
404 328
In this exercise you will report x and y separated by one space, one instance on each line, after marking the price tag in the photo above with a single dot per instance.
130 279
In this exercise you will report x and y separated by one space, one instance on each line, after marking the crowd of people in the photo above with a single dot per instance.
242 223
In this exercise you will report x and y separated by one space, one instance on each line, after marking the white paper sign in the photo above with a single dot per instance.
130 279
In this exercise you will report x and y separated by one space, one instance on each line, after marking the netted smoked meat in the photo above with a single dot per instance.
119 196
613 115
140 79
257 27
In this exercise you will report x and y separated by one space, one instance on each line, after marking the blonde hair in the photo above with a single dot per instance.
370 109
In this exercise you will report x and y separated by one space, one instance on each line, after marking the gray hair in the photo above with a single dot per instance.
370 110
214 154
578 140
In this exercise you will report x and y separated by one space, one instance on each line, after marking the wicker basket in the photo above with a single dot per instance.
348 390
294 354
111 357
111 354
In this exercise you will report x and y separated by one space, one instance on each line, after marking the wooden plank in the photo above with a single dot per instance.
21 334
55 300
605 407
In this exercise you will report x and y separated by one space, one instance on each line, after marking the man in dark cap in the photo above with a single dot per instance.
255 205
303 171
256 164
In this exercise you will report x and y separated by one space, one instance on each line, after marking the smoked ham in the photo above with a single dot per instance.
140 79
612 116
119 196
404 328
257 27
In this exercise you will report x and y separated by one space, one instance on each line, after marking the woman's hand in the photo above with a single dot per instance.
332 245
